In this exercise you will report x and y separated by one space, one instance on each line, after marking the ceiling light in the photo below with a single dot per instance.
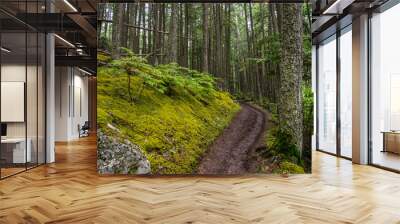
338 6
70 5
65 41
5 50
86 72
79 51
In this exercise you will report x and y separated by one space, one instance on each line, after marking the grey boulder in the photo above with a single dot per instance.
115 156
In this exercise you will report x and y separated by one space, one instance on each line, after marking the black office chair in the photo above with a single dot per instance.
84 130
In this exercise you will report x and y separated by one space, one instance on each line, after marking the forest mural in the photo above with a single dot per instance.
204 88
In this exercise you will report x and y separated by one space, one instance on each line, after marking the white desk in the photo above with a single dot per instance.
18 149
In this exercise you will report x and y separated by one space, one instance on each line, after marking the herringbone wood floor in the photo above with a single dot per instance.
70 191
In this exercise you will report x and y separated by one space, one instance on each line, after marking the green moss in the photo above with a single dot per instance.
287 167
103 57
173 127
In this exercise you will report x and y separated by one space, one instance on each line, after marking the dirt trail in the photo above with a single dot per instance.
229 154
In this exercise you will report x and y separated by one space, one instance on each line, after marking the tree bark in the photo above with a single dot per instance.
291 67
123 30
205 37
116 34
100 14
228 47
144 34
172 37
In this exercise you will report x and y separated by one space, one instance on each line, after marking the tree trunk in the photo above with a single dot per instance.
218 46
162 37
144 34
172 37
107 16
156 26
138 20
123 29
186 35
205 38
228 47
100 14
117 18
132 32
291 67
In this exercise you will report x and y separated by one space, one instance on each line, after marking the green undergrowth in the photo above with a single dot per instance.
286 167
280 153
171 112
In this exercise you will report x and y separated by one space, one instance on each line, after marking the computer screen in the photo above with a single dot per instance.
3 129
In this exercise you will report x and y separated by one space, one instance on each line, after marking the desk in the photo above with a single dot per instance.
391 141
13 150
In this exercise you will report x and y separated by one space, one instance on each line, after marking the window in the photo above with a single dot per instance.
327 95
385 88
346 92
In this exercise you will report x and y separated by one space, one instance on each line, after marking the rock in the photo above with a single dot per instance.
112 127
120 157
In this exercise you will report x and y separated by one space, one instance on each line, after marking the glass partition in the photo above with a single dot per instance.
326 101
13 94
22 88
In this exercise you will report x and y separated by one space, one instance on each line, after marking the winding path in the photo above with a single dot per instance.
230 152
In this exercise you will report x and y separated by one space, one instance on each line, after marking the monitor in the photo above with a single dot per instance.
3 129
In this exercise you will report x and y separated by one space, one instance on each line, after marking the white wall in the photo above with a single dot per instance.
62 81
71 102
16 73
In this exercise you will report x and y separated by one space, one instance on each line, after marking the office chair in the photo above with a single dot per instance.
84 130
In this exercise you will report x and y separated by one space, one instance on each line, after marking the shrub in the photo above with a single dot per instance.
104 43
280 144
286 167
103 58
308 125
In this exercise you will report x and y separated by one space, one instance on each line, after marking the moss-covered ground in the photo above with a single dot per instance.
172 113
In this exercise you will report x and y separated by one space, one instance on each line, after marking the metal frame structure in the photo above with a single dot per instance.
338 153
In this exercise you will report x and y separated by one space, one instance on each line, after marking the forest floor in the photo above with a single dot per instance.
233 152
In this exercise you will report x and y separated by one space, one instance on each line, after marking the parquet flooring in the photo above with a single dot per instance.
70 191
